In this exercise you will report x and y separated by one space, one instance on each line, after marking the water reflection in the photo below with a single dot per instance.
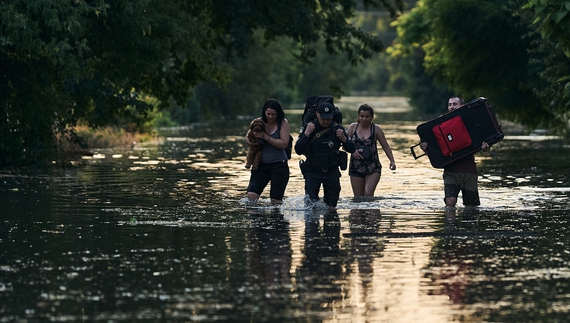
364 245
364 248
269 259
454 256
319 277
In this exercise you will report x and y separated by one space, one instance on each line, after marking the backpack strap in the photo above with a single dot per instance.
322 132
317 135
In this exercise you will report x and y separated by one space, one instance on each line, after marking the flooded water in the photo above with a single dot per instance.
162 233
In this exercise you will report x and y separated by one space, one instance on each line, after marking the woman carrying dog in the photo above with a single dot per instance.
274 165
365 167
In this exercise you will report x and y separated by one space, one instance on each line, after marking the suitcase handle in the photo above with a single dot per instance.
414 153
494 139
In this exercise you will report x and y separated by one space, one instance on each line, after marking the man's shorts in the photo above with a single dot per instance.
464 182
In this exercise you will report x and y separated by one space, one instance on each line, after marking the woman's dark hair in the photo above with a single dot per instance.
273 104
366 107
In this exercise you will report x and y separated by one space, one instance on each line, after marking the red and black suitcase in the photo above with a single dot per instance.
459 133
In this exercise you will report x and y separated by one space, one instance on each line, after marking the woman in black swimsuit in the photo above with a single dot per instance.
365 167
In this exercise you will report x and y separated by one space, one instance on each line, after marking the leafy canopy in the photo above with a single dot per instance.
64 61
489 48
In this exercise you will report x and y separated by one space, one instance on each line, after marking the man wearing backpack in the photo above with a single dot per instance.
320 141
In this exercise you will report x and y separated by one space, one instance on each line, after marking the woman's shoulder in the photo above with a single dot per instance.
352 125
378 131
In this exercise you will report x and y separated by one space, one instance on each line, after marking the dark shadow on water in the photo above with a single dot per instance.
321 268
307 294
269 259
476 263
364 246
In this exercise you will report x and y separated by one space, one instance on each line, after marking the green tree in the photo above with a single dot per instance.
425 93
553 20
485 48
66 61
268 71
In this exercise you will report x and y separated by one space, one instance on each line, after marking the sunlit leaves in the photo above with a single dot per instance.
553 18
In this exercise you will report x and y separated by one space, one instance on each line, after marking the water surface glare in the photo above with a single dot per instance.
162 233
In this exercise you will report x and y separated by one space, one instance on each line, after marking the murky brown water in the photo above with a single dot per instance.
162 234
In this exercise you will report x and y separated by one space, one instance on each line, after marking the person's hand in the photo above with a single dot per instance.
310 128
423 145
259 135
485 146
393 165
356 154
340 135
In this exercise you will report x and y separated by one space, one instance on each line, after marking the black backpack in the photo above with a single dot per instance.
311 104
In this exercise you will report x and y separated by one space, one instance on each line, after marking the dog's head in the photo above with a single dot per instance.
257 125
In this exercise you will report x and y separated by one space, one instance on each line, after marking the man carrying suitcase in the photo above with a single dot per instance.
461 175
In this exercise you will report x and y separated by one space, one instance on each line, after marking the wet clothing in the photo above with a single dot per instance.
462 176
273 167
463 165
363 167
270 153
322 164
277 173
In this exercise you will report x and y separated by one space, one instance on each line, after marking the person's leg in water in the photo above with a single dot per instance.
358 184
364 184
312 186
470 190
279 180
466 183
371 181
450 201
331 190
257 183
451 187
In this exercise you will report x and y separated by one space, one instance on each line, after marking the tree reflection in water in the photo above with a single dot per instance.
269 263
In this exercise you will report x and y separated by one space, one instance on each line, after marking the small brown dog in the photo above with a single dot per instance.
254 152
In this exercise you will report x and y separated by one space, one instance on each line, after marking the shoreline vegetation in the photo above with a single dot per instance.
121 140
114 138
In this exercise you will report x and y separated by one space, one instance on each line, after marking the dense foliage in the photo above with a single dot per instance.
100 63
64 62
